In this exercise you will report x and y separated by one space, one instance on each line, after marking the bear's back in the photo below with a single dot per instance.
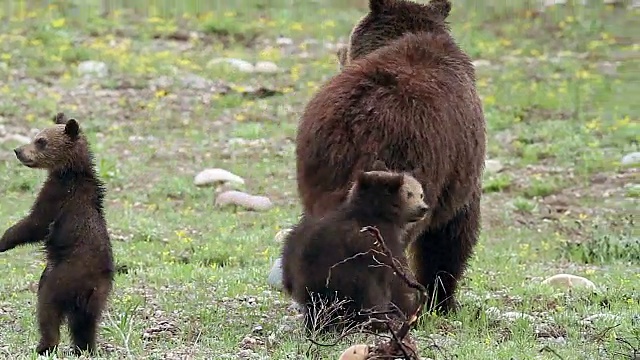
413 104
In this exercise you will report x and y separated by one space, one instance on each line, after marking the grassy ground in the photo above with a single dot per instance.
560 94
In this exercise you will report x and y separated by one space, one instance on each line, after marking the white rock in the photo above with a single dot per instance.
608 68
239 198
554 2
568 281
355 352
481 63
275 274
196 82
266 67
93 68
514 315
493 166
631 159
492 312
216 176
595 317
21 139
280 236
284 41
241 65
245 354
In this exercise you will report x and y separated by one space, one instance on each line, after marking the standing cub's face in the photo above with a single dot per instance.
388 20
52 147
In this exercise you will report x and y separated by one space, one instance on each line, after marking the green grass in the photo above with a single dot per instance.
555 120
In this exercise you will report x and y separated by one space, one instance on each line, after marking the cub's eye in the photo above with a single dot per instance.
409 195
422 196
41 143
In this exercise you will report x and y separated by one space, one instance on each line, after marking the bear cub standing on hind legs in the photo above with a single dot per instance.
320 256
68 217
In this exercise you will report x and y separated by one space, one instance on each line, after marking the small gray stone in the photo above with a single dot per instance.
275 275
481 63
93 68
631 159
241 65
493 166
266 67
284 41
247 201
608 68
569 281
245 354
216 176
601 316
281 235
195 82
514 315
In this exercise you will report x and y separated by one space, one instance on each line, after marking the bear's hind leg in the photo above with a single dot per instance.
50 315
83 320
440 256
83 326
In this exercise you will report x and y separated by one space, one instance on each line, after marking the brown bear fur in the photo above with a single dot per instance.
68 218
386 200
406 93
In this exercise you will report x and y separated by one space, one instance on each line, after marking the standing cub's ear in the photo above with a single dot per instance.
440 7
379 165
72 129
377 6
60 118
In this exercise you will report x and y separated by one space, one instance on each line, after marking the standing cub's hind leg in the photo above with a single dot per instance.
83 320
83 326
50 315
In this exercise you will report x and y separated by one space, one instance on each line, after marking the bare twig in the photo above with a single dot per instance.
342 262
396 346
548 349
402 273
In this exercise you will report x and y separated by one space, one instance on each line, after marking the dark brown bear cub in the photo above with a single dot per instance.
68 218
329 260
407 93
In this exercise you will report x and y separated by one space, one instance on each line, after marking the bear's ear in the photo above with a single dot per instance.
60 118
72 129
377 6
379 165
440 7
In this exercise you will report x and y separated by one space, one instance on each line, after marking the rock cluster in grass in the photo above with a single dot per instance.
218 177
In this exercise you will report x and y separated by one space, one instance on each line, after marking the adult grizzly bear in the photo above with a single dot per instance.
68 218
406 95
330 263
